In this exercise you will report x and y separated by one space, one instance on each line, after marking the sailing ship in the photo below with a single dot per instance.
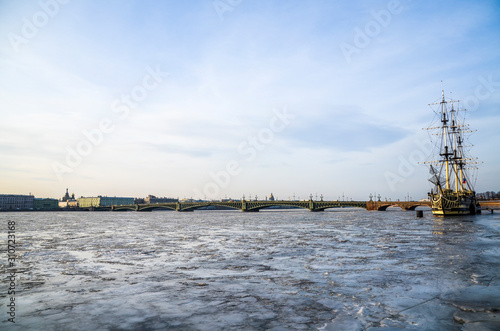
453 172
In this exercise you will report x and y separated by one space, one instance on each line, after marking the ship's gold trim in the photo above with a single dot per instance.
452 203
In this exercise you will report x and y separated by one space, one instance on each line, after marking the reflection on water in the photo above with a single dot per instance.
212 270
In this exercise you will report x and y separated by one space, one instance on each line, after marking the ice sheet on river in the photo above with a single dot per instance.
273 270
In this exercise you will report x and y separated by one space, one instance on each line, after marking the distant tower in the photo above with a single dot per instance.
271 197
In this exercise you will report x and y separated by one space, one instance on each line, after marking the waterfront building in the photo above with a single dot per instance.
45 204
152 199
67 197
68 201
68 204
100 201
16 202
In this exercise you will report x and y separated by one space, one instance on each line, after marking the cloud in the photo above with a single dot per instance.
343 128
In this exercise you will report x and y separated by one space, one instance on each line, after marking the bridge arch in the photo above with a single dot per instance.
384 207
192 207
415 206
256 206
402 206
151 207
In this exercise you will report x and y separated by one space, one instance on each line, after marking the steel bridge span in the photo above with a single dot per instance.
255 206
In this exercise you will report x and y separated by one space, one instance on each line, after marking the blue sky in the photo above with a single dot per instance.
229 98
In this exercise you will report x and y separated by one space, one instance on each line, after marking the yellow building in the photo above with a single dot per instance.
100 201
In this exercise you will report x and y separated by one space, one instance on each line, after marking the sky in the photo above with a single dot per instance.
231 98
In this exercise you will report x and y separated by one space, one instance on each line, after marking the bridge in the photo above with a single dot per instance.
489 205
255 206
244 205
405 205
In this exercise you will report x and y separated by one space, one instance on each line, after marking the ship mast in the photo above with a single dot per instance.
460 160
445 133
456 138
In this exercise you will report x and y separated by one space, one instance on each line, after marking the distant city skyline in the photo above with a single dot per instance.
213 99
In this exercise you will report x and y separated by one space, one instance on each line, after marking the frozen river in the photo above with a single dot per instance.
344 269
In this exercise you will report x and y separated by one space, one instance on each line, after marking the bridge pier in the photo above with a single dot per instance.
245 206
178 207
